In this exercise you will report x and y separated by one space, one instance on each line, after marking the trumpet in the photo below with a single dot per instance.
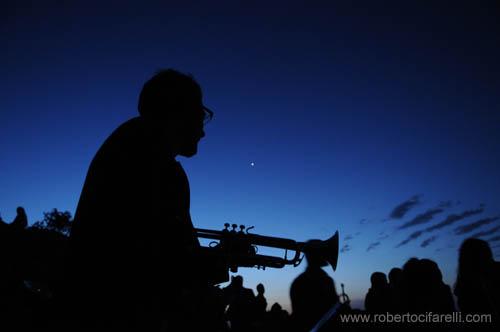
239 248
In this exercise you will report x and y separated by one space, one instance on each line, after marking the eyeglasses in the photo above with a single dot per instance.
208 115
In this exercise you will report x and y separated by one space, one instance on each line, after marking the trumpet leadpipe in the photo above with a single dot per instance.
240 245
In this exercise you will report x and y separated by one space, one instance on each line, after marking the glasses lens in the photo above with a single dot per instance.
208 115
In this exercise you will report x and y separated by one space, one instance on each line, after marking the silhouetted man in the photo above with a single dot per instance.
21 220
396 289
277 319
260 301
378 298
478 280
313 292
134 249
241 310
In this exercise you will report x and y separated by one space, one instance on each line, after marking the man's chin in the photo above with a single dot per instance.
189 152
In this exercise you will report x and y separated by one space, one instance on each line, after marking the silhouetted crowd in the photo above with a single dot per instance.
31 296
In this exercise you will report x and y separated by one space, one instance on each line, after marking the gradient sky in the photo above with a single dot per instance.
377 120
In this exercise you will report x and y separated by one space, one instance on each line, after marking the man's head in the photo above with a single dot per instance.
378 280
172 103
314 254
237 281
260 289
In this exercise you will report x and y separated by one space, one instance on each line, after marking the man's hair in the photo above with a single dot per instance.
167 89
314 255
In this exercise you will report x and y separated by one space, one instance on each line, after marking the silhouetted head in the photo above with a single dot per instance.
171 102
378 280
314 254
237 281
431 271
411 266
395 276
260 289
276 307
411 271
475 254
20 211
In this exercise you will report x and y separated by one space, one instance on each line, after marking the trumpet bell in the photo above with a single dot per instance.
323 252
332 250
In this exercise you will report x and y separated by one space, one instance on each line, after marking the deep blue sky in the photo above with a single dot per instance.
346 111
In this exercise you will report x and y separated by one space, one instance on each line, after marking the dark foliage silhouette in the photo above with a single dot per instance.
32 273
57 221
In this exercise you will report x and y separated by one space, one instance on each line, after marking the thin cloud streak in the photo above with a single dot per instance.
373 246
487 232
402 209
345 248
422 218
473 226
494 239
453 218
412 236
450 219
428 241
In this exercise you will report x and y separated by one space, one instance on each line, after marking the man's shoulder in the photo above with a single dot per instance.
132 133
132 129
249 292
125 145
313 275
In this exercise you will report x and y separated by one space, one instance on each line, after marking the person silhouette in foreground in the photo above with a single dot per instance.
260 305
276 319
395 289
378 297
21 220
241 310
477 286
313 292
411 290
135 261
260 300
431 280
423 289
